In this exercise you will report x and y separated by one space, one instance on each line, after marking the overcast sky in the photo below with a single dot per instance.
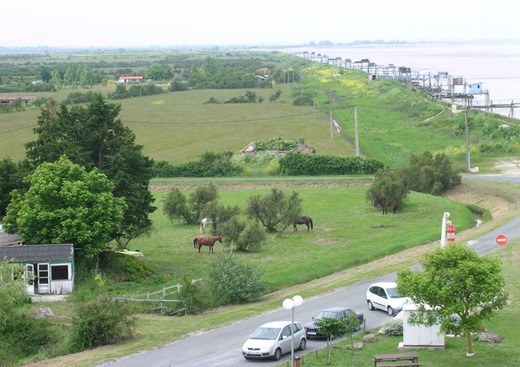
127 23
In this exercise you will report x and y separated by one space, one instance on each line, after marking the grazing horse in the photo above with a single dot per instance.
204 223
198 242
303 220
384 204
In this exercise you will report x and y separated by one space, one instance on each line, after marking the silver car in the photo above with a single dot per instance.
273 339
385 297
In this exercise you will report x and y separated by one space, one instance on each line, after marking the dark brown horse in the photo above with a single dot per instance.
383 203
198 242
303 220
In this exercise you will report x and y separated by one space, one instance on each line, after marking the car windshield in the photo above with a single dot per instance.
325 314
265 333
392 293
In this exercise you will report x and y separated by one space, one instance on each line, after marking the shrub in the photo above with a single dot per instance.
101 322
27 336
195 295
393 327
233 282
251 238
297 164
123 267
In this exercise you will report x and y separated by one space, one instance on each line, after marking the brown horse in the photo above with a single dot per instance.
303 220
383 203
198 242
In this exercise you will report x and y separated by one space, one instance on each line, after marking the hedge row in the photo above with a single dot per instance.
297 164
210 165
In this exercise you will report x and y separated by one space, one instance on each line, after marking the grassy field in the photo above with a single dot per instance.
177 127
348 232
170 247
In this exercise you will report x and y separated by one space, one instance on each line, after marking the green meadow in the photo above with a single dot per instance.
348 232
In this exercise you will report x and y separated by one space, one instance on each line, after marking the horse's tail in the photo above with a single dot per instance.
195 242
310 222
201 228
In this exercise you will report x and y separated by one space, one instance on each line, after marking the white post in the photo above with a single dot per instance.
290 304
445 216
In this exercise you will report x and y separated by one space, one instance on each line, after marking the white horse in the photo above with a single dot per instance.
203 223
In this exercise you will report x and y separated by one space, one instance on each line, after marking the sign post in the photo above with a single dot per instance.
501 241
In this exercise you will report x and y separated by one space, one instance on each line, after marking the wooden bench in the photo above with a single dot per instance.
412 360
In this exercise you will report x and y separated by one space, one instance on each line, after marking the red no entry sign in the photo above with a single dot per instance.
501 240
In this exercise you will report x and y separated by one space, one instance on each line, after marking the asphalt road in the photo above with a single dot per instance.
222 347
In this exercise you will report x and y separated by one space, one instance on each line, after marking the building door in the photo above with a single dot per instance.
43 278
29 277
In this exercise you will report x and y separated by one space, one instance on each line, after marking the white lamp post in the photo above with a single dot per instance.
443 230
290 304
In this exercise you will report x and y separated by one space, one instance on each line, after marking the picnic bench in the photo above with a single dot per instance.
402 359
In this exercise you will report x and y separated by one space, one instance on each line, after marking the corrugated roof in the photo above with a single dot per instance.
37 253
9 239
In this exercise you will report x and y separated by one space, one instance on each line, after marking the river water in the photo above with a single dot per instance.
494 64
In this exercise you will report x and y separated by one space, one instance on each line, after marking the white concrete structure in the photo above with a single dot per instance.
419 336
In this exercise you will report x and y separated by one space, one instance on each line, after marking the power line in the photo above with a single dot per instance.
218 122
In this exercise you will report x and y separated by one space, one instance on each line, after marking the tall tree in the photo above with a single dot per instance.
431 174
66 204
94 137
456 289
10 179
275 211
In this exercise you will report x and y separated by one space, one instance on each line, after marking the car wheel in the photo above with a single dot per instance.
370 306
277 354
390 311
303 344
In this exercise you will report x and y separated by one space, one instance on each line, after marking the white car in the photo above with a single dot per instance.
273 339
384 296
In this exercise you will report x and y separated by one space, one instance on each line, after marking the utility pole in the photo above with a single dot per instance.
468 164
330 114
356 130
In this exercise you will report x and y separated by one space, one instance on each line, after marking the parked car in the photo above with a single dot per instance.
384 296
339 313
273 339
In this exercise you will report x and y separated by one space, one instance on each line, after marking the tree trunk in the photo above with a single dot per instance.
329 350
470 344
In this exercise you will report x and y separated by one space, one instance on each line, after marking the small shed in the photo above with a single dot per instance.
419 336
48 268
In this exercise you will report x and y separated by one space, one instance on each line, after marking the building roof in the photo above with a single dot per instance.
37 253
7 239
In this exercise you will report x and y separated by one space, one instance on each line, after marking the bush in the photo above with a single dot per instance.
210 165
123 267
195 295
101 322
24 337
233 282
297 164
251 238
393 327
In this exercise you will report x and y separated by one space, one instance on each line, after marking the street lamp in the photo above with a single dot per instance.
290 304
443 230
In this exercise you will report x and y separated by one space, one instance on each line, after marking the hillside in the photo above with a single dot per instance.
392 120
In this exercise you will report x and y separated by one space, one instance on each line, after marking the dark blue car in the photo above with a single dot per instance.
339 313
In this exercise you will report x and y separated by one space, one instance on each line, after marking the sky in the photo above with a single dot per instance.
131 23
